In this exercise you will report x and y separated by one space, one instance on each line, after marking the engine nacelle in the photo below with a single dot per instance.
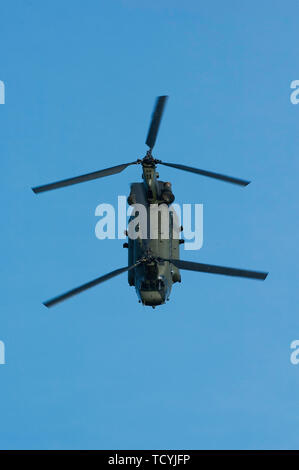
167 195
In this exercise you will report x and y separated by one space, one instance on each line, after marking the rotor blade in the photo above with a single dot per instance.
80 179
210 268
88 285
155 122
211 174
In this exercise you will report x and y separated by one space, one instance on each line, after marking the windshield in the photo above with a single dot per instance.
152 285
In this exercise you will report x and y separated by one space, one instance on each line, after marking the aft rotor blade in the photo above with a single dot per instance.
155 122
211 174
80 179
88 285
210 268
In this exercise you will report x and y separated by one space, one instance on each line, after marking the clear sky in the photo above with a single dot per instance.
211 369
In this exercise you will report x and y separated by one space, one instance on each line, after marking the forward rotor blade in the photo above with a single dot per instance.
155 122
211 174
210 268
80 179
88 285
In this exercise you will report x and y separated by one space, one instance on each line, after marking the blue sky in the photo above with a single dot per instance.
211 369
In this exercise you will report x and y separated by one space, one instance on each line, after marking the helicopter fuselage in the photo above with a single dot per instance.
153 280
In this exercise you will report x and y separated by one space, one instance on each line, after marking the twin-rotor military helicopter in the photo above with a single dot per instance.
153 264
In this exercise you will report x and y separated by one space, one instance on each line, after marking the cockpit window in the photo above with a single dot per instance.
152 285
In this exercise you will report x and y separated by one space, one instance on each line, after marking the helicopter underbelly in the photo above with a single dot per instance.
153 282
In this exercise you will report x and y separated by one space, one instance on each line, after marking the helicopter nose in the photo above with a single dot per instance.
151 297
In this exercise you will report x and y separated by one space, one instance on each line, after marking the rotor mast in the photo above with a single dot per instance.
150 175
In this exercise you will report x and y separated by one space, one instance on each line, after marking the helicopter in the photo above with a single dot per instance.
154 264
